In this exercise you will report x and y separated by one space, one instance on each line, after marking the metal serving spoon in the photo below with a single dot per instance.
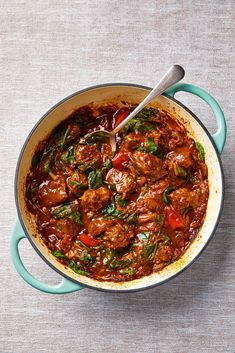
172 76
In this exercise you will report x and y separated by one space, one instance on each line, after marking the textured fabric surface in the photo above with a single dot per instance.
49 49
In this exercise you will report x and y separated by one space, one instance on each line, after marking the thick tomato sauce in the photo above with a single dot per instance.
123 216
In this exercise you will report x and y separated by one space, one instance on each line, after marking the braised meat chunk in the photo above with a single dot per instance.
122 181
165 253
93 200
149 165
77 182
61 233
184 198
97 226
117 237
88 156
181 157
52 192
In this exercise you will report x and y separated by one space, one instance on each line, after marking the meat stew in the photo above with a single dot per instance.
123 216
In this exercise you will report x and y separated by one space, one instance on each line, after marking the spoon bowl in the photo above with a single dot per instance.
102 136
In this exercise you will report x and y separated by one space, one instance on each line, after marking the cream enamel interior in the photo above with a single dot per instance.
116 94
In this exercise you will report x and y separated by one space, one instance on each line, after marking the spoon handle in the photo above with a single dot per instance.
173 75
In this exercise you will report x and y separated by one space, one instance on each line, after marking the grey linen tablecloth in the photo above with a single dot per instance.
50 49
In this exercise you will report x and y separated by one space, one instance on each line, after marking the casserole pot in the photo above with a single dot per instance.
111 94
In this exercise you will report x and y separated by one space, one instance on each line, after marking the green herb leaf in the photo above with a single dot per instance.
138 123
89 166
35 160
64 157
110 208
66 211
95 179
62 211
133 218
47 166
112 187
115 264
143 236
76 217
68 156
127 271
71 156
151 145
107 165
144 128
122 202
111 211
79 185
149 251
31 190
167 239
85 257
146 113
58 254
141 148
71 159
145 188
109 255
200 150
166 192
65 137
160 218
77 269
181 171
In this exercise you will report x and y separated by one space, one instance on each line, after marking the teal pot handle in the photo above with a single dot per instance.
65 286
219 137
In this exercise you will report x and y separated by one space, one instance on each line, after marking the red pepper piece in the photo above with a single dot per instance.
174 219
88 240
120 115
120 159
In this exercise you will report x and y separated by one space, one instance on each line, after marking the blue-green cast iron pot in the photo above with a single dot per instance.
115 94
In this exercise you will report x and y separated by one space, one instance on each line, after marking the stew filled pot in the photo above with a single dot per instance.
125 220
